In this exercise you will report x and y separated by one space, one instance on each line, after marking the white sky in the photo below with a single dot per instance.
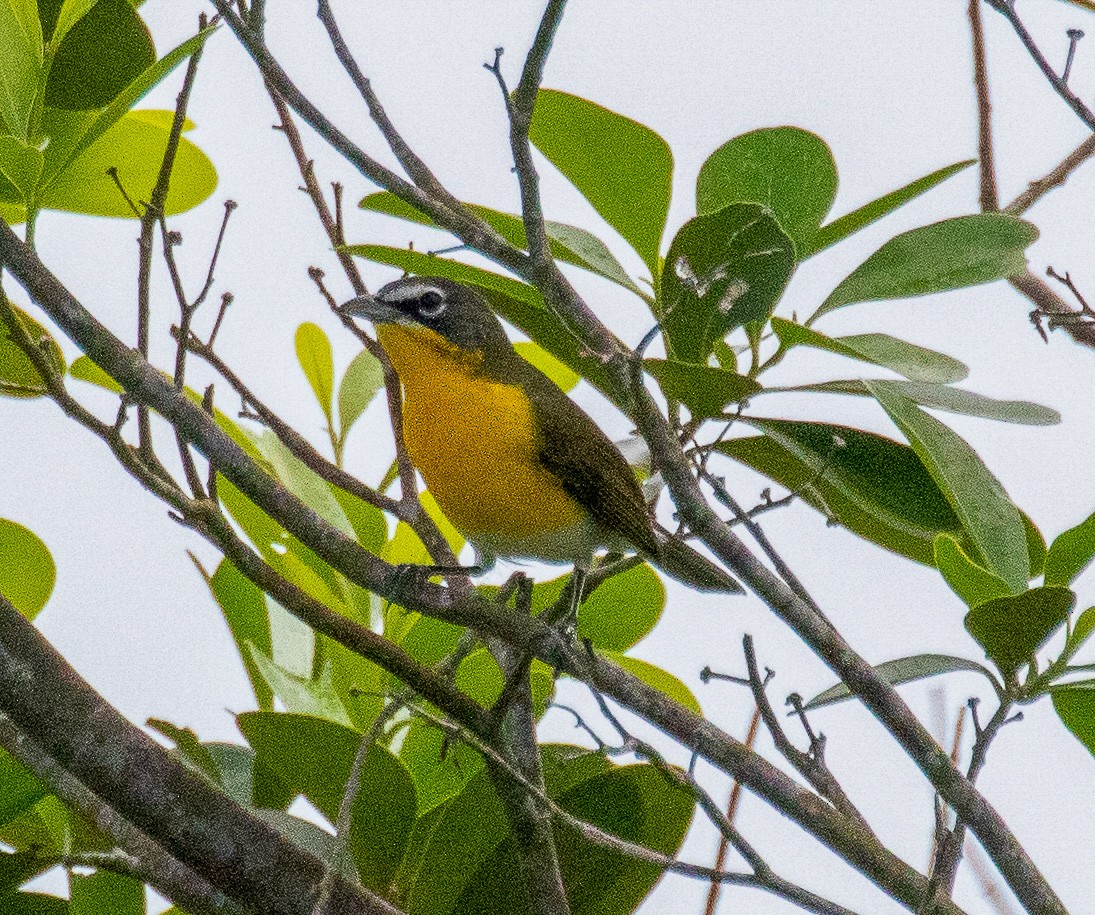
888 86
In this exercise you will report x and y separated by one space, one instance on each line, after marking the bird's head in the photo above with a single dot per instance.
448 309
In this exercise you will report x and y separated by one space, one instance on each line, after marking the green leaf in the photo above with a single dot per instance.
1012 629
46 827
235 767
20 789
943 397
104 892
705 390
20 63
622 168
951 254
307 697
71 137
18 376
564 377
789 170
439 766
99 53
367 521
244 609
304 482
21 164
315 358
314 758
16 868
364 377
661 680
189 747
988 516
59 16
860 218
27 570
914 362
1075 706
514 301
723 270
568 243
1081 632
870 484
34 904
135 146
903 670
971 582
1071 553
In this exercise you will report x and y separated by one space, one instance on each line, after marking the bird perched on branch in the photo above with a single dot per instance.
517 467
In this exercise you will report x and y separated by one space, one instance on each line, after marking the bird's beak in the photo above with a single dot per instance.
368 306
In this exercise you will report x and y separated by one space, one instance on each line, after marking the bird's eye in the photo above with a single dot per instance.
432 304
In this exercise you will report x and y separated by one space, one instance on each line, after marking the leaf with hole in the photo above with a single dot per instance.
621 167
789 170
952 254
1011 629
903 670
723 270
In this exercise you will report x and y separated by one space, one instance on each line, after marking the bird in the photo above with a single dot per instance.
520 470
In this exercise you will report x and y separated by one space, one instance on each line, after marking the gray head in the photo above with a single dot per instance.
457 313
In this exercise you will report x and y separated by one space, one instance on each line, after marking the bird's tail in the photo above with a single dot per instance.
678 560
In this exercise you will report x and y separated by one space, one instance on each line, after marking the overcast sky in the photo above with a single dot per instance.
888 86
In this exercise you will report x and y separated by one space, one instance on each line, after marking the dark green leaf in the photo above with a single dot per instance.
723 270
439 766
705 390
103 892
1012 629
34 903
903 670
993 523
364 377
235 766
244 608
315 358
841 228
908 359
480 677
1075 706
568 243
27 571
20 63
19 788
100 55
789 170
951 400
1070 553
18 867
314 758
622 168
951 254
18 376
71 136
135 146
971 582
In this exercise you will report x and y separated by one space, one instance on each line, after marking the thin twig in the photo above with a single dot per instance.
990 198
1042 186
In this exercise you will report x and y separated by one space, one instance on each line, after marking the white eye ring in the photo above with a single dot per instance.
429 312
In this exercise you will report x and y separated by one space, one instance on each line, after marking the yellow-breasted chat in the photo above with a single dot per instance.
517 467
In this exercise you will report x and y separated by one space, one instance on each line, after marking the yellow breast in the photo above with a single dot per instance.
475 441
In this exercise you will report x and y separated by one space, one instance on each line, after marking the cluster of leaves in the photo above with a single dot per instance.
423 804
761 201
70 73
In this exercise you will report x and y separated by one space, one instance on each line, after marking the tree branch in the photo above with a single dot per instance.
87 740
